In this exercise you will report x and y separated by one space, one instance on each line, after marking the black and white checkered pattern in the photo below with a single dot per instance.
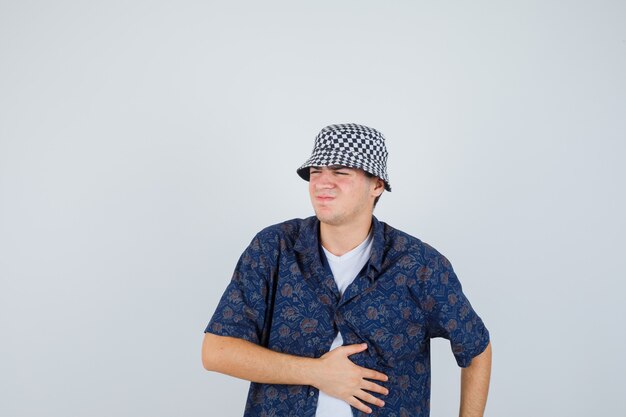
351 145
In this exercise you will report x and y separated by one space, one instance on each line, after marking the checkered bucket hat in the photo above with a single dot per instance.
350 145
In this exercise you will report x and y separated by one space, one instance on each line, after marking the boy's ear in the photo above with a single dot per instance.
380 185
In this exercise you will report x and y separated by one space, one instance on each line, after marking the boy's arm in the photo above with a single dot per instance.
333 373
475 385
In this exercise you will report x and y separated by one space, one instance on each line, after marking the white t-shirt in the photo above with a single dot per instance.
345 268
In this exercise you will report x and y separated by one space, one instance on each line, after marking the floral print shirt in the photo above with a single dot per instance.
283 296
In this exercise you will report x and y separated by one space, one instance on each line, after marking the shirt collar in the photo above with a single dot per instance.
307 242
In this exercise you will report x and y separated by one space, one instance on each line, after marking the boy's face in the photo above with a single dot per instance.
341 195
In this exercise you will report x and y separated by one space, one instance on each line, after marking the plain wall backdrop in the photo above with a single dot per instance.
144 143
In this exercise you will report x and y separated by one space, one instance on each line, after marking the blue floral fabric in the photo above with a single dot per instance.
283 296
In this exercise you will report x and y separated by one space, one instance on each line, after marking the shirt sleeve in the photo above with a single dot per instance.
450 314
241 310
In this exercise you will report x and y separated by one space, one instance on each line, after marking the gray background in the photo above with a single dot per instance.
144 143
